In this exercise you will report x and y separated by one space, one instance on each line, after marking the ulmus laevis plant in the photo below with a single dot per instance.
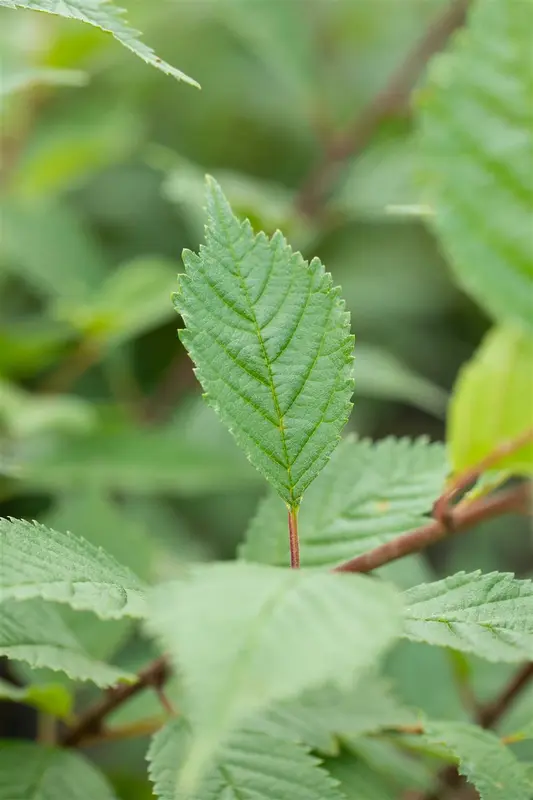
272 670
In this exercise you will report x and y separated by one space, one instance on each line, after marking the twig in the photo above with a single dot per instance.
133 730
442 508
491 713
463 517
390 100
294 543
91 722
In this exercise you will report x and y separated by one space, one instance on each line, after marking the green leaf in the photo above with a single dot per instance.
51 698
23 414
104 15
33 632
492 402
271 342
483 760
40 562
476 119
31 772
490 615
360 781
321 717
246 636
368 494
19 80
250 766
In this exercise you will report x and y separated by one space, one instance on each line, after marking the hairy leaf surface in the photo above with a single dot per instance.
476 121
250 766
490 615
245 636
106 16
368 494
39 562
271 342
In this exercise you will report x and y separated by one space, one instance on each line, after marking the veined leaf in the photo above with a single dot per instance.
49 697
33 632
270 339
250 766
490 615
492 402
104 15
476 120
483 760
31 772
368 494
40 562
246 636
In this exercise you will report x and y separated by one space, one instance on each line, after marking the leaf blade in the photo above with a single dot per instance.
266 331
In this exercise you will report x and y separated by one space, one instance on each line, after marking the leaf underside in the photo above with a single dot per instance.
272 346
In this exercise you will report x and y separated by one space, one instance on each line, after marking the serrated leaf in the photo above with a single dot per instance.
51 698
368 494
31 772
106 16
40 562
33 632
490 615
492 402
476 119
271 342
483 760
246 636
250 766
322 717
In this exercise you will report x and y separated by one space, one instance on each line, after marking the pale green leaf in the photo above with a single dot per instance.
246 636
271 342
490 615
368 494
33 632
250 766
51 698
40 562
360 781
23 414
23 79
492 402
476 120
483 760
106 16
31 772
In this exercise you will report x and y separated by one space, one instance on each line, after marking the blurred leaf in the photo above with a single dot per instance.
488 615
476 119
361 781
51 698
30 345
492 402
106 16
24 415
135 297
33 632
381 375
483 760
25 79
250 766
368 494
245 636
280 380
40 562
46 244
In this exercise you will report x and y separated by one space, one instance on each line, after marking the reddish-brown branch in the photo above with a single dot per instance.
491 713
294 542
463 517
393 98
91 722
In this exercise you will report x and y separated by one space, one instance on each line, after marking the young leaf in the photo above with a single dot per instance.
31 772
104 15
490 615
33 632
368 494
492 402
271 342
476 119
49 697
40 562
246 636
483 760
250 766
